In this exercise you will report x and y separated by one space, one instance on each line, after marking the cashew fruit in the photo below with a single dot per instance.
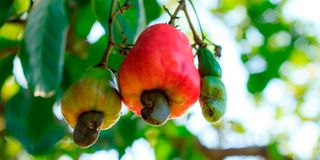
158 79
208 65
91 104
213 94
213 98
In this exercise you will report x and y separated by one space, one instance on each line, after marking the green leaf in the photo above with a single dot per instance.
273 151
43 46
5 9
30 120
171 135
10 147
96 51
225 6
75 65
6 65
79 3
174 131
122 134
101 9
115 61
257 82
10 36
84 21
128 21
5 44
237 127
164 149
152 10
20 6
274 58
196 155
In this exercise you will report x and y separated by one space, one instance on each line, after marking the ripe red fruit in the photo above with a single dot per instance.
158 79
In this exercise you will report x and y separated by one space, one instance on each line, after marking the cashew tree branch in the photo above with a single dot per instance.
220 154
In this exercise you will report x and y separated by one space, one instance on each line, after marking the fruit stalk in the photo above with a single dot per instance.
182 4
198 20
105 57
196 37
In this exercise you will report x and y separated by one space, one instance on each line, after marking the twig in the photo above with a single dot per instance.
7 51
182 4
20 21
167 10
124 38
123 48
220 154
218 48
112 18
195 35
105 57
121 9
198 19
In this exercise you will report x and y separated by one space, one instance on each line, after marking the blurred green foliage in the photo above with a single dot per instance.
50 39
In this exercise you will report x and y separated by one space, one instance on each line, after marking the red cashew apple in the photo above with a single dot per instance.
158 79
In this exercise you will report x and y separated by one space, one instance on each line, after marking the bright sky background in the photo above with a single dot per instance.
258 121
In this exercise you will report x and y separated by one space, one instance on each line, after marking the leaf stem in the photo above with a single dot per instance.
124 38
121 9
196 37
198 20
217 47
112 18
105 57
181 6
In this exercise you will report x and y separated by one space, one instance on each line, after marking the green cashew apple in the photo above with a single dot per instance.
213 93
91 104
212 98
208 65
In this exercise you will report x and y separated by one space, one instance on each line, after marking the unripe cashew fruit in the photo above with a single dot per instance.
213 93
208 65
158 79
212 98
91 104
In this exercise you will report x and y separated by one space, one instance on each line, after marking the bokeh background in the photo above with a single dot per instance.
271 69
